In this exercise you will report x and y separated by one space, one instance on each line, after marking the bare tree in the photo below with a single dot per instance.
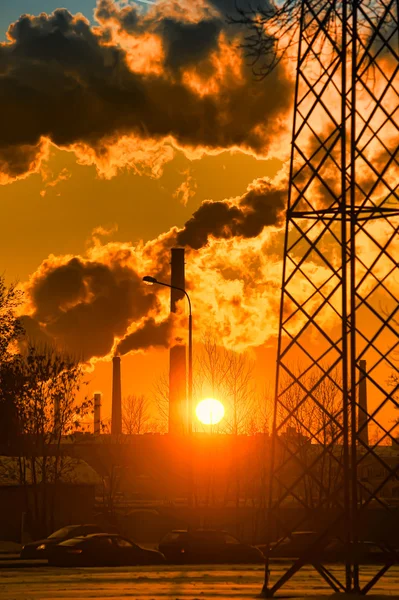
211 368
227 376
47 386
312 441
260 421
135 414
161 399
273 29
240 392
11 331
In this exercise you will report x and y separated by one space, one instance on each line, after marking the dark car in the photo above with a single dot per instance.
296 544
363 552
40 548
311 546
102 550
204 546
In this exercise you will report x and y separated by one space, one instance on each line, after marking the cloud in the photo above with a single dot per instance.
171 76
51 181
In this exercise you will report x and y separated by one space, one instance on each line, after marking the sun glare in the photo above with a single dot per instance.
210 411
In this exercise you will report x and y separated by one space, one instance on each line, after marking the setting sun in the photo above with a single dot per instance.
210 411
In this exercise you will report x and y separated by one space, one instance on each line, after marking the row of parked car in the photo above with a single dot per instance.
90 545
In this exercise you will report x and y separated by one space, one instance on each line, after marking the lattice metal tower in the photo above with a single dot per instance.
340 299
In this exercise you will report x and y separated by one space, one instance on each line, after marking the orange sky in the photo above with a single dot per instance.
72 198
129 130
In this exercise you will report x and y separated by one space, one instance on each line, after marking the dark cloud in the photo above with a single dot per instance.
150 334
128 17
189 43
83 305
184 43
260 206
63 80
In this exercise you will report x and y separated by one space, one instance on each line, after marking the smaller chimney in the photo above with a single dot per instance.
97 414
116 423
362 414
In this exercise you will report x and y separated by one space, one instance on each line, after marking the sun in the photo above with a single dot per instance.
210 411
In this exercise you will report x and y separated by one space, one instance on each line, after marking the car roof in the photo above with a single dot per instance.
102 534
198 531
79 525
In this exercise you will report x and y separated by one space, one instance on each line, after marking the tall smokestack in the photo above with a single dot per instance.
116 423
177 354
362 414
97 414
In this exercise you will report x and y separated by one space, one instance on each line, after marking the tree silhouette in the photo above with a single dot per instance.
11 331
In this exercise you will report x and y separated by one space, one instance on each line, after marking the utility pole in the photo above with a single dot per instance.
340 285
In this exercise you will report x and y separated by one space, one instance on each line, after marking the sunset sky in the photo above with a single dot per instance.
120 121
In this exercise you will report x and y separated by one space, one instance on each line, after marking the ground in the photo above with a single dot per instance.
168 583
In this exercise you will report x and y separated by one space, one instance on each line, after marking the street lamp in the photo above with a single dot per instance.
150 279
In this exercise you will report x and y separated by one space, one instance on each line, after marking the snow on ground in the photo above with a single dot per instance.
171 583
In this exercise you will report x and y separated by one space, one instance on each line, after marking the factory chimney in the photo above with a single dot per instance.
116 423
97 414
177 354
362 414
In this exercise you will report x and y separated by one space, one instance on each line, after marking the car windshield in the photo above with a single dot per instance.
173 536
229 539
124 543
61 533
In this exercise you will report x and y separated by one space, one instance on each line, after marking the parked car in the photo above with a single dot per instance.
40 548
364 552
207 546
299 544
294 544
102 550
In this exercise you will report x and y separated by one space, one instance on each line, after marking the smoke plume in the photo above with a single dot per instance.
84 303
246 217
150 334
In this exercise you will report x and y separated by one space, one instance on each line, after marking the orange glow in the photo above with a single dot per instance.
144 54
210 411
227 66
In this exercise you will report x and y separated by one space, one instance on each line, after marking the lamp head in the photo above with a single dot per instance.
150 279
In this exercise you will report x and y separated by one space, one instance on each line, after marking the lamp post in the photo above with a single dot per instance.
150 279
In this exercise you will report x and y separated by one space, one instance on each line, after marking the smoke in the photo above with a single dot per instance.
83 304
96 304
150 334
246 217
122 92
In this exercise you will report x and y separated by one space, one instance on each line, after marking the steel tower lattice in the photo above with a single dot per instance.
339 303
